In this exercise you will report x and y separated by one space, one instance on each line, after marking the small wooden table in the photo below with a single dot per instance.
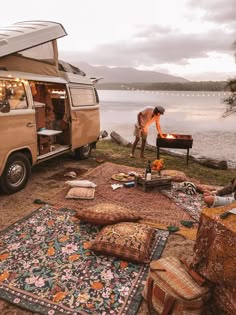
46 138
157 182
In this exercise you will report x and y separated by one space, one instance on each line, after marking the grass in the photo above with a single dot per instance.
112 152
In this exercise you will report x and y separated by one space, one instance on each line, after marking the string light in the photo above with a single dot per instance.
181 94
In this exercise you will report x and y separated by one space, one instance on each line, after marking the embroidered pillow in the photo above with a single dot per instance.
127 240
81 193
107 213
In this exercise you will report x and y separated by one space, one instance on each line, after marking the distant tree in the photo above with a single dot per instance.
231 99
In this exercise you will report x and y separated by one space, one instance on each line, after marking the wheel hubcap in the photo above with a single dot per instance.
86 149
16 174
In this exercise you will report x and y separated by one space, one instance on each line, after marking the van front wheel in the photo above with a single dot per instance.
83 152
16 173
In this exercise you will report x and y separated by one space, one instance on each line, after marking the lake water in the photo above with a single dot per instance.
192 113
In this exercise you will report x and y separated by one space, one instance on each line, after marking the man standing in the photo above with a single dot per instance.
145 118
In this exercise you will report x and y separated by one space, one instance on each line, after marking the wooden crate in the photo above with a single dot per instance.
156 183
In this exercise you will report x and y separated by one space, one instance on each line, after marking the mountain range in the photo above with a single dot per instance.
125 74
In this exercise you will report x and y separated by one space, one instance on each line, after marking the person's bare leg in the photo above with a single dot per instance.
134 146
142 148
209 200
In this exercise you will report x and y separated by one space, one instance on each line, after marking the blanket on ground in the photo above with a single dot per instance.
46 266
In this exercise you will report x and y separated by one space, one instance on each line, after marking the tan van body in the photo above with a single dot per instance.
47 107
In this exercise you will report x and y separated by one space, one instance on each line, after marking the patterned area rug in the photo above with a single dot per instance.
190 203
46 266
152 206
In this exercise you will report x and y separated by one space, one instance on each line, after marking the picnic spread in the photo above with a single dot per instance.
97 247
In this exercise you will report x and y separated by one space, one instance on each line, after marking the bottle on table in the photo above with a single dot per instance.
148 171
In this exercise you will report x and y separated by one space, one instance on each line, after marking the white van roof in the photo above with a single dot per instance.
24 35
76 78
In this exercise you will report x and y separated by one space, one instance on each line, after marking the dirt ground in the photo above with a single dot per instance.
40 186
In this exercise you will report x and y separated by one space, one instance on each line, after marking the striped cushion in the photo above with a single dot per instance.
177 278
188 188
168 278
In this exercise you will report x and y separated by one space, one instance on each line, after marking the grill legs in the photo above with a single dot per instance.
158 154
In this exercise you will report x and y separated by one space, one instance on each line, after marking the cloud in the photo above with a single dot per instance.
206 29
158 48
153 30
217 11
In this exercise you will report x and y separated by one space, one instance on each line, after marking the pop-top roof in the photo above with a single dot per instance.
24 35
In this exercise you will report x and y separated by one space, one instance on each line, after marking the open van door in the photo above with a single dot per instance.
85 118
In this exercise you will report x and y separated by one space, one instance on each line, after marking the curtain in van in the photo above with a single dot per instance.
22 64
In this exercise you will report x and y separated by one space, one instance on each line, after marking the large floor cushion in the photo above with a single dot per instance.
127 240
177 176
107 213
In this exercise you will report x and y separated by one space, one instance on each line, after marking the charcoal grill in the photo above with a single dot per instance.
178 142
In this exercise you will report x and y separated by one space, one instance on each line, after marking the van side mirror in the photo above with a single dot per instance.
4 106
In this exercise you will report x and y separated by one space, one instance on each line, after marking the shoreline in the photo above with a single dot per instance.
201 117
201 159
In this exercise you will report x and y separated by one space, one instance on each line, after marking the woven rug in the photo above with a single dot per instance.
152 206
46 266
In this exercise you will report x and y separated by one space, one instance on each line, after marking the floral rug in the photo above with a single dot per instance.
46 266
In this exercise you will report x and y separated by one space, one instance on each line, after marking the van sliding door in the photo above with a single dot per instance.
85 115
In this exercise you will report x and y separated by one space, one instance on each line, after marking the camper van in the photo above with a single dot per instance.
47 107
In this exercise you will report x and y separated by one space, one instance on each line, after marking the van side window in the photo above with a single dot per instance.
83 96
14 93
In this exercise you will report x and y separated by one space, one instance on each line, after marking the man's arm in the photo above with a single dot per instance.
225 190
139 119
159 127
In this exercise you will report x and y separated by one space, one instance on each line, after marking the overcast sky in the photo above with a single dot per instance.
188 38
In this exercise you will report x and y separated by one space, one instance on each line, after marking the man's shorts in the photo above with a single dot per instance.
139 133
222 201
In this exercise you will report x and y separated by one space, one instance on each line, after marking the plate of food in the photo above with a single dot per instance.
123 177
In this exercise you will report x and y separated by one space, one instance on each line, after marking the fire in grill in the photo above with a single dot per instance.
174 141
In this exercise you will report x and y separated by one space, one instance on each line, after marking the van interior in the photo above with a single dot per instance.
52 117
